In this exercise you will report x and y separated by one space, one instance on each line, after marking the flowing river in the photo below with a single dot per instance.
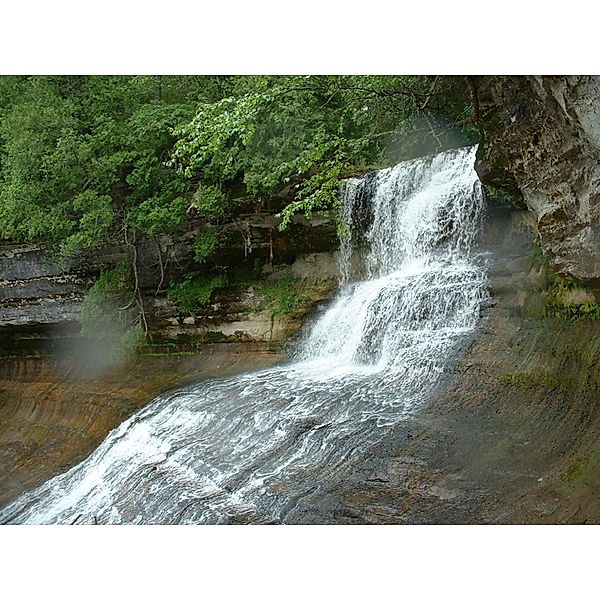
247 448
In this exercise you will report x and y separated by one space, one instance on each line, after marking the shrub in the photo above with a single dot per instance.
196 291
210 201
205 245
103 307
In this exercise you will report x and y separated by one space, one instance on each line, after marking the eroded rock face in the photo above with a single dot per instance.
41 298
542 146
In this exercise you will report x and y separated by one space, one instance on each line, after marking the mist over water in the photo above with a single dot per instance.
247 448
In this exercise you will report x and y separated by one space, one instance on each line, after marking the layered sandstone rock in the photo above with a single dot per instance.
41 297
542 146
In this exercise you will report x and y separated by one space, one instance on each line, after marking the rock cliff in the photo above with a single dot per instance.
541 147
41 298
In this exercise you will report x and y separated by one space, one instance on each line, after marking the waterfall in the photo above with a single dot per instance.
249 448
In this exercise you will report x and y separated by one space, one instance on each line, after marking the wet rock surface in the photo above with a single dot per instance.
53 413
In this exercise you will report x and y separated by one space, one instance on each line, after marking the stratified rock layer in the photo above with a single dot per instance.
41 298
53 412
542 146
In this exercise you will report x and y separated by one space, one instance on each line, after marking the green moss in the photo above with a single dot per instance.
558 288
536 379
165 347
584 471
514 379
556 307
281 297
554 359
28 354
196 291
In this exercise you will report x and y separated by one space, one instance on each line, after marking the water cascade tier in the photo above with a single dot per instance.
248 449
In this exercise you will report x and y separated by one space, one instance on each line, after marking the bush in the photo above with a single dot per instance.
128 344
104 303
196 291
210 201
205 245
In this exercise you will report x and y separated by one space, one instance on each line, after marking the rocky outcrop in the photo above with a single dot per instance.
41 298
541 146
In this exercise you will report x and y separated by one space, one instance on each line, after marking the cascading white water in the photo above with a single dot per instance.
247 448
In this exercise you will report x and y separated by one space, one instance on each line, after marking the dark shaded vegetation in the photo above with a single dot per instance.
584 471
563 298
195 291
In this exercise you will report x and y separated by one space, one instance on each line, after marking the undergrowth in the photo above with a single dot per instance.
109 312
556 306
558 288
281 297
205 245
195 291
106 301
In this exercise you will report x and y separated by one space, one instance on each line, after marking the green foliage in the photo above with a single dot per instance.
80 155
319 193
95 221
129 343
158 215
218 134
210 201
205 245
505 198
281 297
196 291
308 131
581 312
103 307
109 312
